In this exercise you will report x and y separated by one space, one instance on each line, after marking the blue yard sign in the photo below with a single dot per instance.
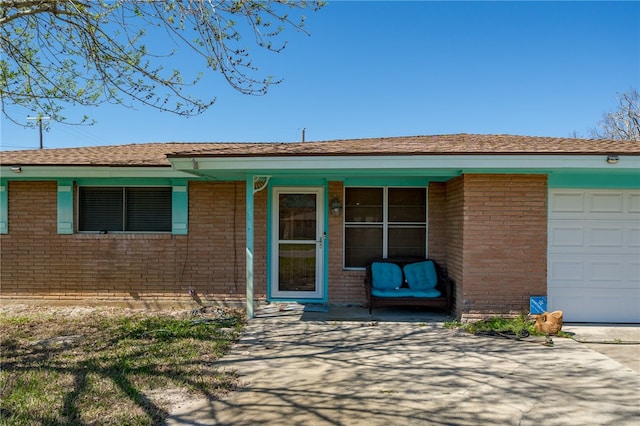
537 304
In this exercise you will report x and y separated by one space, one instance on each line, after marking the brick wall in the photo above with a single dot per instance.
345 287
32 220
37 263
216 258
455 236
437 214
489 231
504 242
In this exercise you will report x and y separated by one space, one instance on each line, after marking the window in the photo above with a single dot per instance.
124 209
384 222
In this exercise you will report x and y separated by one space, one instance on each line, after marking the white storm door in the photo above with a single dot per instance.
297 243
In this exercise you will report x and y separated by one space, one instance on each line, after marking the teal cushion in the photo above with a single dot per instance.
390 292
421 275
405 292
386 275
427 294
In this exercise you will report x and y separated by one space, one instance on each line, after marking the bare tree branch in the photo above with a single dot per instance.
624 123
55 53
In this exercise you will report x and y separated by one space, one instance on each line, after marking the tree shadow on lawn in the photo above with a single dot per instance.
84 379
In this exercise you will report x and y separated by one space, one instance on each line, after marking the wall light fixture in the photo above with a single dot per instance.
336 207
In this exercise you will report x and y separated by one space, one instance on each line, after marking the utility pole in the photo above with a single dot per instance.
40 117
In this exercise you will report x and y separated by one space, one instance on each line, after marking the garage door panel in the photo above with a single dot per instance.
634 237
595 305
633 272
593 271
584 204
594 254
586 236
606 202
606 236
567 202
634 203
566 269
570 302
566 235
607 271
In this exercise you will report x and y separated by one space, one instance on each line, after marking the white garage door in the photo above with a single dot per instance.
594 255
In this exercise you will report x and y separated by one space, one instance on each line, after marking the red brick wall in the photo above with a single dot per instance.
455 236
37 263
437 215
489 231
345 287
32 220
215 264
503 219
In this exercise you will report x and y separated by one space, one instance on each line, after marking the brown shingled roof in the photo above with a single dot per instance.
424 145
148 154
155 154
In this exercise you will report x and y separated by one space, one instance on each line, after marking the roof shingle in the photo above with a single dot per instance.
156 154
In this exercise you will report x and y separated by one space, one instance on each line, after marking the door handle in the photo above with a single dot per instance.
321 240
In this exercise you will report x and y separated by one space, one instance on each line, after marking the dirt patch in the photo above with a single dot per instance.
134 365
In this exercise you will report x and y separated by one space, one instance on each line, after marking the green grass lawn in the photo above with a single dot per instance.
110 366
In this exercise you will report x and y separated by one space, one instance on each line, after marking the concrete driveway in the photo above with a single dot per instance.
404 368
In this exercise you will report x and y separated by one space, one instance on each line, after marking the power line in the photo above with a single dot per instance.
82 135
40 117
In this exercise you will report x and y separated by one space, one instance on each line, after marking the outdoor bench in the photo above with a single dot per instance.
407 282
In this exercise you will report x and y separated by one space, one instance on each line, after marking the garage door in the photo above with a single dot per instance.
594 255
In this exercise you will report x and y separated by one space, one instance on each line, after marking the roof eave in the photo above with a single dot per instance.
400 162
38 171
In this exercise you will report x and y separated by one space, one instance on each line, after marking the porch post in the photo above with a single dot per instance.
249 233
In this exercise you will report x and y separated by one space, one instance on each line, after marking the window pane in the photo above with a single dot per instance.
363 205
100 209
407 205
403 230
297 267
149 209
297 217
362 244
408 241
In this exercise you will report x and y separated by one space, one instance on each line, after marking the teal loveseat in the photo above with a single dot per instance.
407 282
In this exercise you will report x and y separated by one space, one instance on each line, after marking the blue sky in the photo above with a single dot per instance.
377 69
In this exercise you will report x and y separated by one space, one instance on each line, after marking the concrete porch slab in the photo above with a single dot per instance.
405 368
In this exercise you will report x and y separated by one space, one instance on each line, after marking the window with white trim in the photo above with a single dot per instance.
124 209
384 222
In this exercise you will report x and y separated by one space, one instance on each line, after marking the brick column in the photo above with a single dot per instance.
497 242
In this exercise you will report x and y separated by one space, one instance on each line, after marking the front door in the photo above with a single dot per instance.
297 243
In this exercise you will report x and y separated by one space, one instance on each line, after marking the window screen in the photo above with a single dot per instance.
148 209
124 209
384 222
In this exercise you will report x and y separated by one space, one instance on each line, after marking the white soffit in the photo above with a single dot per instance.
444 162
